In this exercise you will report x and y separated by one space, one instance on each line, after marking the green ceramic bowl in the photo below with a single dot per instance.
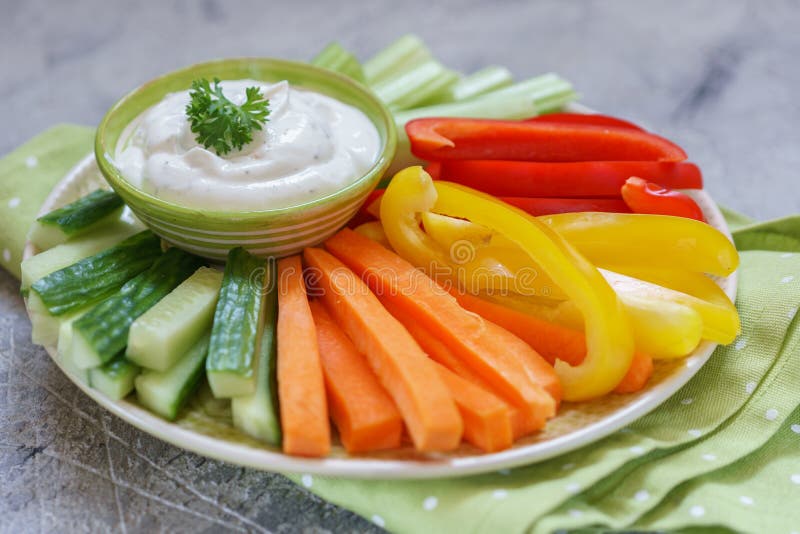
274 232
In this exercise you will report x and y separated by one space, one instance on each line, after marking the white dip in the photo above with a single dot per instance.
312 145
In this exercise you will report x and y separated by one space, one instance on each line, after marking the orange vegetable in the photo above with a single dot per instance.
404 370
301 388
363 412
551 340
445 357
463 333
638 374
539 371
487 419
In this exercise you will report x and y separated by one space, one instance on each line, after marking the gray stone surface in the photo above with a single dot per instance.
720 77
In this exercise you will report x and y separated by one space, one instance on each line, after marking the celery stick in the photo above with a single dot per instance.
556 102
400 56
530 86
415 85
476 84
336 58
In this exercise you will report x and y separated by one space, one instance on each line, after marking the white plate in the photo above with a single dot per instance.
204 427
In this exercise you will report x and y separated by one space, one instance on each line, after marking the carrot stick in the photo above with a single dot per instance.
301 388
442 355
487 419
539 371
437 350
363 412
638 374
404 370
551 340
463 333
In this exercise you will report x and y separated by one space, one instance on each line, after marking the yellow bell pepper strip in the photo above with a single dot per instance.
502 269
647 240
666 323
608 332
720 322
618 239
692 283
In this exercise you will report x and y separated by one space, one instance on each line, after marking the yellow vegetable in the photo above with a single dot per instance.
608 333
658 241
668 321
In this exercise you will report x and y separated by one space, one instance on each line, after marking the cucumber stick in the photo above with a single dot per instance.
103 332
65 348
94 278
87 213
165 392
166 331
236 333
115 379
74 250
257 414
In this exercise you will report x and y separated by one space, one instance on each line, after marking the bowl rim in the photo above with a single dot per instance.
117 181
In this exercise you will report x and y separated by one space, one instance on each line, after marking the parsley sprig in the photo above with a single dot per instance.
219 123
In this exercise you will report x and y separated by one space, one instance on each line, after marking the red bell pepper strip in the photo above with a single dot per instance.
582 179
646 197
585 118
437 139
551 206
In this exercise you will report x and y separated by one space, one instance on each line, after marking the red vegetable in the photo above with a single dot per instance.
584 118
550 206
438 139
646 197
582 179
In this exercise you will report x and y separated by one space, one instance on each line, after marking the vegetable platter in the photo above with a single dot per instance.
512 290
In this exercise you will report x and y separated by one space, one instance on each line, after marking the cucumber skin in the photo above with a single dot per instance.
157 346
148 381
87 210
115 379
105 327
73 251
236 330
94 278
259 414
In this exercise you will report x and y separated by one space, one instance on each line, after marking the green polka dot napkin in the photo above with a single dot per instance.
723 454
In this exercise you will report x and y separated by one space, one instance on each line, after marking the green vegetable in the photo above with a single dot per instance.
415 85
74 250
232 355
399 57
92 279
65 347
258 414
166 392
218 122
166 331
336 58
103 332
479 83
115 379
89 212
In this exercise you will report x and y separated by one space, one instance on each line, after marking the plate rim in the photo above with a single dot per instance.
438 466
